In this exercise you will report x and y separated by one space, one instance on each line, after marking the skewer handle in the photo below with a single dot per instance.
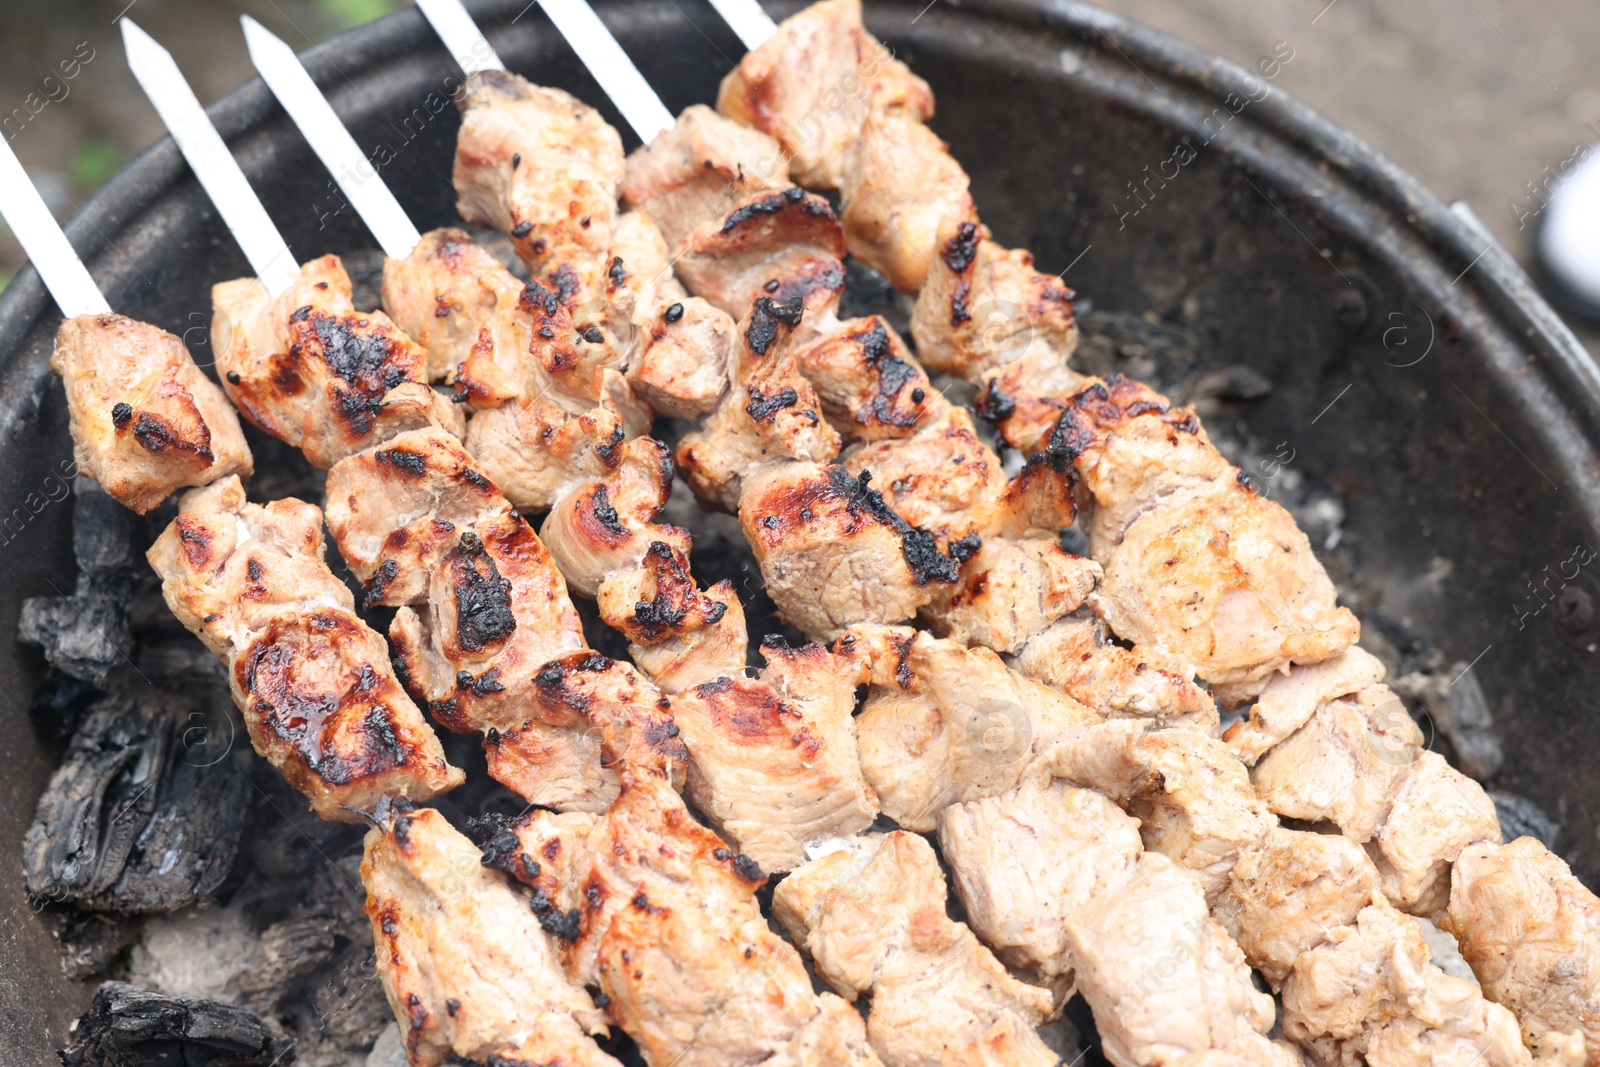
610 65
40 236
747 19
467 44
280 68
212 163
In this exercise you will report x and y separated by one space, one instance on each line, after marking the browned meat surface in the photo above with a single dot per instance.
1531 932
871 915
682 365
773 760
942 478
1024 861
870 386
497 611
668 927
1009 591
1196 563
809 86
769 414
394 510
145 421
700 170
561 767
943 724
1076 655
1437 812
536 450
1026 397
678 634
538 164
782 245
311 370
984 307
466 967
313 681
1289 700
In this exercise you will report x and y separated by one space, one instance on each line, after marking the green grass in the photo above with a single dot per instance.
96 161
347 13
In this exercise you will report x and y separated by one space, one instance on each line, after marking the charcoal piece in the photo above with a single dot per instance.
59 705
1521 817
1455 702
90 940
145 811
128 1027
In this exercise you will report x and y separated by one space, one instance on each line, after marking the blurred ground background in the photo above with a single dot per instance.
1476 97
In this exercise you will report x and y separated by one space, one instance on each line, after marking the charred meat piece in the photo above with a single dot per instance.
142 1028
1025 398
984 307
1531 932
773 760
669 928
871 915
1196 563
145 811
870 386
145 420
466 966
809 86
536 450
314 682
700 170
683 360
1009 591
943 724
678 634
542 166
395 509
311 370
497 611
784 245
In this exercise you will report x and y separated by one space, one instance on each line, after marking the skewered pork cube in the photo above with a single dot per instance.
1196 563
871 915
780 245
1370 994
1025 398
1010 590
773 761
536 450
677 634
809 86
606 527
700 170
770 412
1289 700
394 510
899 185
467 970
313 681
497 611
1437 812
1075 655
311 370
1344 764
1531 932
671 932
683 360
639 275
870 386
942 479
587 715
1024 861
145 421
943 724
984 307
542 166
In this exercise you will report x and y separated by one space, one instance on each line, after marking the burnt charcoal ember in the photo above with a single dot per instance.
145 811
59 705
1521 817
86 634
90 940
129 1027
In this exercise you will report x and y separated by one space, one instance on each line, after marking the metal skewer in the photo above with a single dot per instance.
748 20
209 158
47 246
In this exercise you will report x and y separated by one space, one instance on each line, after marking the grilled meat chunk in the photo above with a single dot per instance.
984 307
783 245
1436 813
145 421
1531 932
700 170
396 509
542 166
497 611
943 724
870 386
466 967
670 930
942 478
1289 700
773 761
683 361
809 85
677 634
871 915
314 682
562 767
1010 591
309 369
1076 655
536 450
1196 563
